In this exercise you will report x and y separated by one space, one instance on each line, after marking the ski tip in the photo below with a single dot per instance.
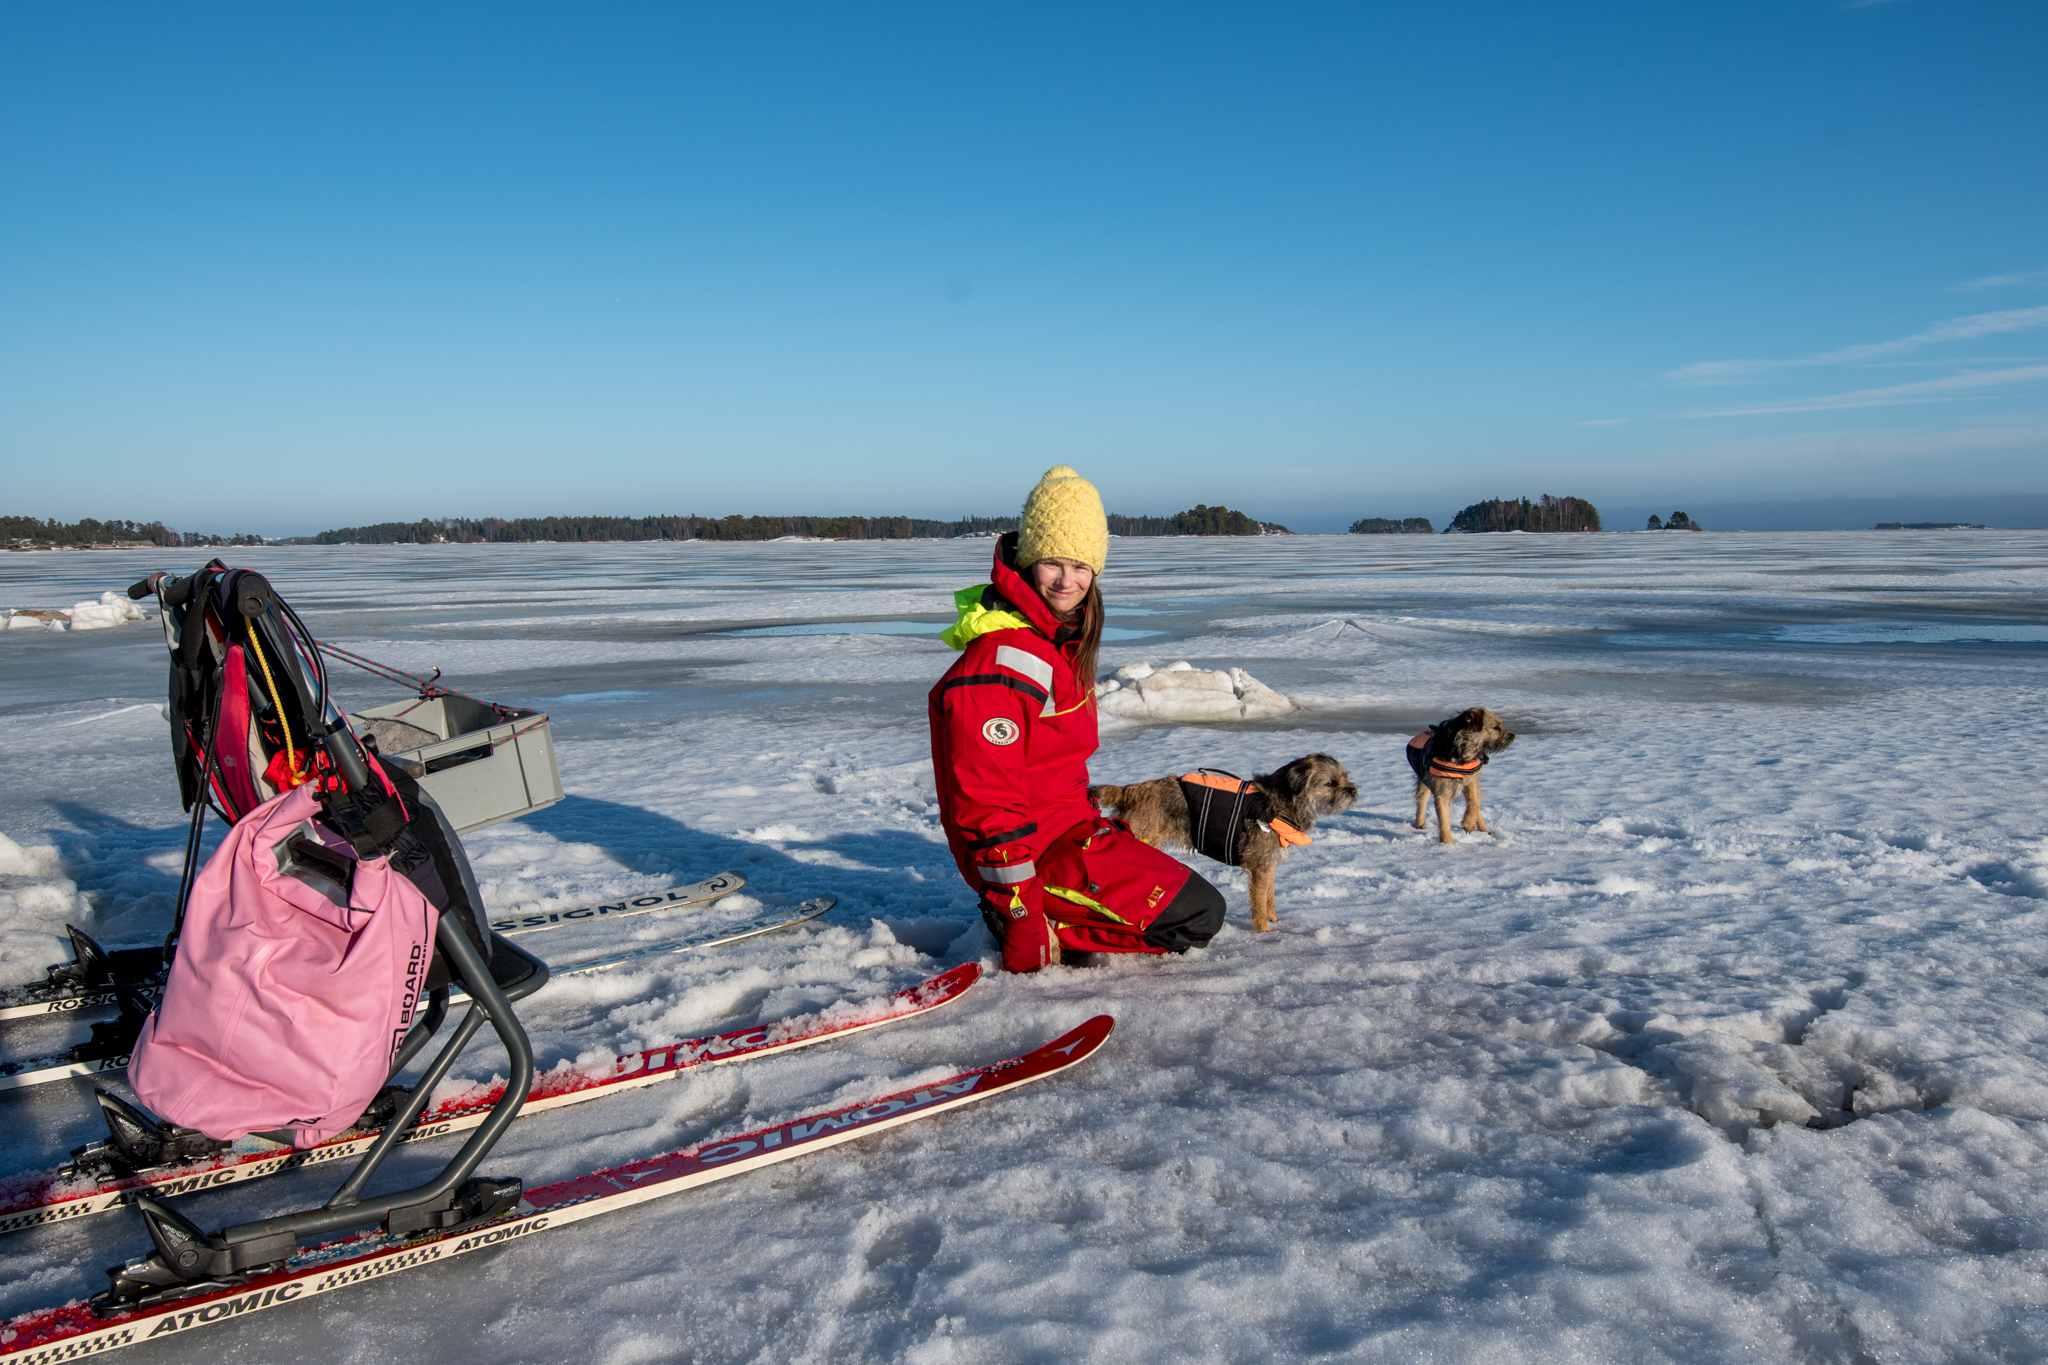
1075 1045
947 985
816 906
958 978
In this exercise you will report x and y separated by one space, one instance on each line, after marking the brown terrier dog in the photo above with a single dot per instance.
1248 825
1447 759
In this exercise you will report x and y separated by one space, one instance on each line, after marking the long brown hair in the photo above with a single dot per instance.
1090 613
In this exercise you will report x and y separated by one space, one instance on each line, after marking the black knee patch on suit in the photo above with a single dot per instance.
1190 919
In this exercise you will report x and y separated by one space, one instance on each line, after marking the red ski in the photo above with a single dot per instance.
73 1331
39 1197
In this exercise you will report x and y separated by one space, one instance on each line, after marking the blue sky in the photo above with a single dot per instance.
1316 262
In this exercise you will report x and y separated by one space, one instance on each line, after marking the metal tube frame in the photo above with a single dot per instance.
494 1005
350 1193
470 961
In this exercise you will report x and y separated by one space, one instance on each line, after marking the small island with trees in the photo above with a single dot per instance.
1495 514
1392 526
1551 514
1679 522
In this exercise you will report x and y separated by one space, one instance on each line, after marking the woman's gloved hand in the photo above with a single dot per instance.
1016 916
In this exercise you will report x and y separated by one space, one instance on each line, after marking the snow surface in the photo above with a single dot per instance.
1769 852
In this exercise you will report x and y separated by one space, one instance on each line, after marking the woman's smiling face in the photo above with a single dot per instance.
1062 582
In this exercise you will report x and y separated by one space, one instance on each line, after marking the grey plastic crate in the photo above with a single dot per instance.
482 765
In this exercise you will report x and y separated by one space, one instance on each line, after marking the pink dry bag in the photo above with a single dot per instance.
294 983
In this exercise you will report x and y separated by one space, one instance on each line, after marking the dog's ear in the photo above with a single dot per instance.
1467 735
1291 782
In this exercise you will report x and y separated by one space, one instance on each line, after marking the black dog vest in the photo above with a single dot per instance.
1218 805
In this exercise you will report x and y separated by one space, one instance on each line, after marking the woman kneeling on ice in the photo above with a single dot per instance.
1013 726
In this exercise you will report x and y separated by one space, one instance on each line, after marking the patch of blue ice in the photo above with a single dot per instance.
1846 633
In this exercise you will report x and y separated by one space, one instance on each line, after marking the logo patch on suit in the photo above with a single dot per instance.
1000 731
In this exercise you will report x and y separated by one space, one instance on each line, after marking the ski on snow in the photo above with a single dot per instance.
60 1196
106 1050
143 968
703 893
765 923
109 1047
74 1331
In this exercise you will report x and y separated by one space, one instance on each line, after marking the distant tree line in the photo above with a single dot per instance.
1519 514
509 530
30 531
1200 521
1679 522
1392 526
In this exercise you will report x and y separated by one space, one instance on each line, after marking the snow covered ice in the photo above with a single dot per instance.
1729 1043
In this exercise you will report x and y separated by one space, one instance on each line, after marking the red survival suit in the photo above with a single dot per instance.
1012 732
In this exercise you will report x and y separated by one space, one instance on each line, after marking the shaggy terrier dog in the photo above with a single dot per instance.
1249 825
1447 759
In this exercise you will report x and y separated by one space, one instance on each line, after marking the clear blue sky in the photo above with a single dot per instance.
1317 262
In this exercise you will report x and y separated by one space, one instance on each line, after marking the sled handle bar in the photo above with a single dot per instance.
338 739
176 592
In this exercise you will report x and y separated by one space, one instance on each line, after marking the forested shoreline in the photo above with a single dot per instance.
31 533
1200 520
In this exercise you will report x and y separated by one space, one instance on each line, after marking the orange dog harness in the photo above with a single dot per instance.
1423 758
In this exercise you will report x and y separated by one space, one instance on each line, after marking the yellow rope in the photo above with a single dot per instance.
292 754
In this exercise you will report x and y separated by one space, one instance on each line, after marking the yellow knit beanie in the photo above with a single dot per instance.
1063 520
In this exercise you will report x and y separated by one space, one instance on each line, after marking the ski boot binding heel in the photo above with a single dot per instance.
89 964
92 965
472 1201
186 1262
139 1141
